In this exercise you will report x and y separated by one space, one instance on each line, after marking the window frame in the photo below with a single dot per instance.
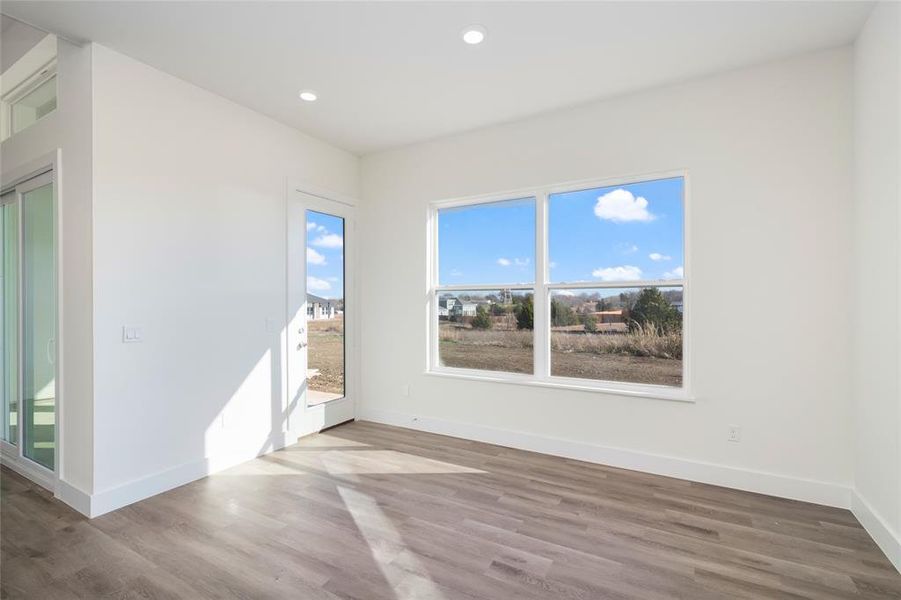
9 100
542 289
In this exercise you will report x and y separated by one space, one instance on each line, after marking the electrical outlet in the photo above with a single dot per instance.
734 433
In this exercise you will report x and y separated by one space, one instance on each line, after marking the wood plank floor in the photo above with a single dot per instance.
372 512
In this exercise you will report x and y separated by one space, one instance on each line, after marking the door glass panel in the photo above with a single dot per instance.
39 325
9 318
325 307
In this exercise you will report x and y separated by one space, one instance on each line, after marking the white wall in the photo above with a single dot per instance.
17 39
68 130
877 466
768 150
189 244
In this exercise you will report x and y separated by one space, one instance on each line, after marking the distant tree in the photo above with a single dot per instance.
603 304
525 313
562 314
498 310
652 309
590 323
482 320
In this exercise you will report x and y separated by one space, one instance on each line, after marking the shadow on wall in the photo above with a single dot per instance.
214 364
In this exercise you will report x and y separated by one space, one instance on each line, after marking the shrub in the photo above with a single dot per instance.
652 310
590 323
481 320
562 315
525 314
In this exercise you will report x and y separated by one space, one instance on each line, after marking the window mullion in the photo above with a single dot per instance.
541 322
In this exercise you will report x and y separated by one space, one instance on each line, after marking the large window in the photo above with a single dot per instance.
580 286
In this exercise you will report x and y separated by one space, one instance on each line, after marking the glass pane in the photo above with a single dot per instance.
629 335
486 330
39 325
325 307
9 319
34 105
487 243
618 233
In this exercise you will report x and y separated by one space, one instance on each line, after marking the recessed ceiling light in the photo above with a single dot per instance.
308 95
474 34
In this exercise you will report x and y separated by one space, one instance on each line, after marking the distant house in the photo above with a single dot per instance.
610 316
445 305
463 309
454 307
320 308
611 321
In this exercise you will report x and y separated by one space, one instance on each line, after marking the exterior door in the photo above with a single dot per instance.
322 313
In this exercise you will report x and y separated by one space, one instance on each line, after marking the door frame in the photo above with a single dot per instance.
304 419
13 456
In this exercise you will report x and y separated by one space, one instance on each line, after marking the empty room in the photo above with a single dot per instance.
450 300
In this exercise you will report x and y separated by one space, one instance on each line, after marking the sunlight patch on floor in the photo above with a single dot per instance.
324 440
376 528
388 462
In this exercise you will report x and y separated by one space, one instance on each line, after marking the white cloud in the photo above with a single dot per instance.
621 206
456 273
552 265
677 273
311 225
314 226
565 293
519 262
318 285
333 279
622 273
314 257
329 240
627 248
658 256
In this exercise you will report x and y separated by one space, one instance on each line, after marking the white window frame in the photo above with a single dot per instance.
542 289
20 90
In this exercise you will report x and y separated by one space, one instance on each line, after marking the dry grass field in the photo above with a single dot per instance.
326 353
640 357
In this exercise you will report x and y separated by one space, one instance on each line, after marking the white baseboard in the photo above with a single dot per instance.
807 490
116 497
888 541
74 497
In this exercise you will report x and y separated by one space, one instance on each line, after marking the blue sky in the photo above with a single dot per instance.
325 255
616 233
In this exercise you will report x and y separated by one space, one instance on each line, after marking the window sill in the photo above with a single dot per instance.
581 385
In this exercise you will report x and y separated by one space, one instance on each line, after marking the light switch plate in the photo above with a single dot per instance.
132 334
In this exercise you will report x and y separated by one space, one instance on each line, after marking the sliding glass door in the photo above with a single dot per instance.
9 317
28 325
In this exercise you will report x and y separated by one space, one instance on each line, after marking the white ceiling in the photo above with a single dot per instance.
389 74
